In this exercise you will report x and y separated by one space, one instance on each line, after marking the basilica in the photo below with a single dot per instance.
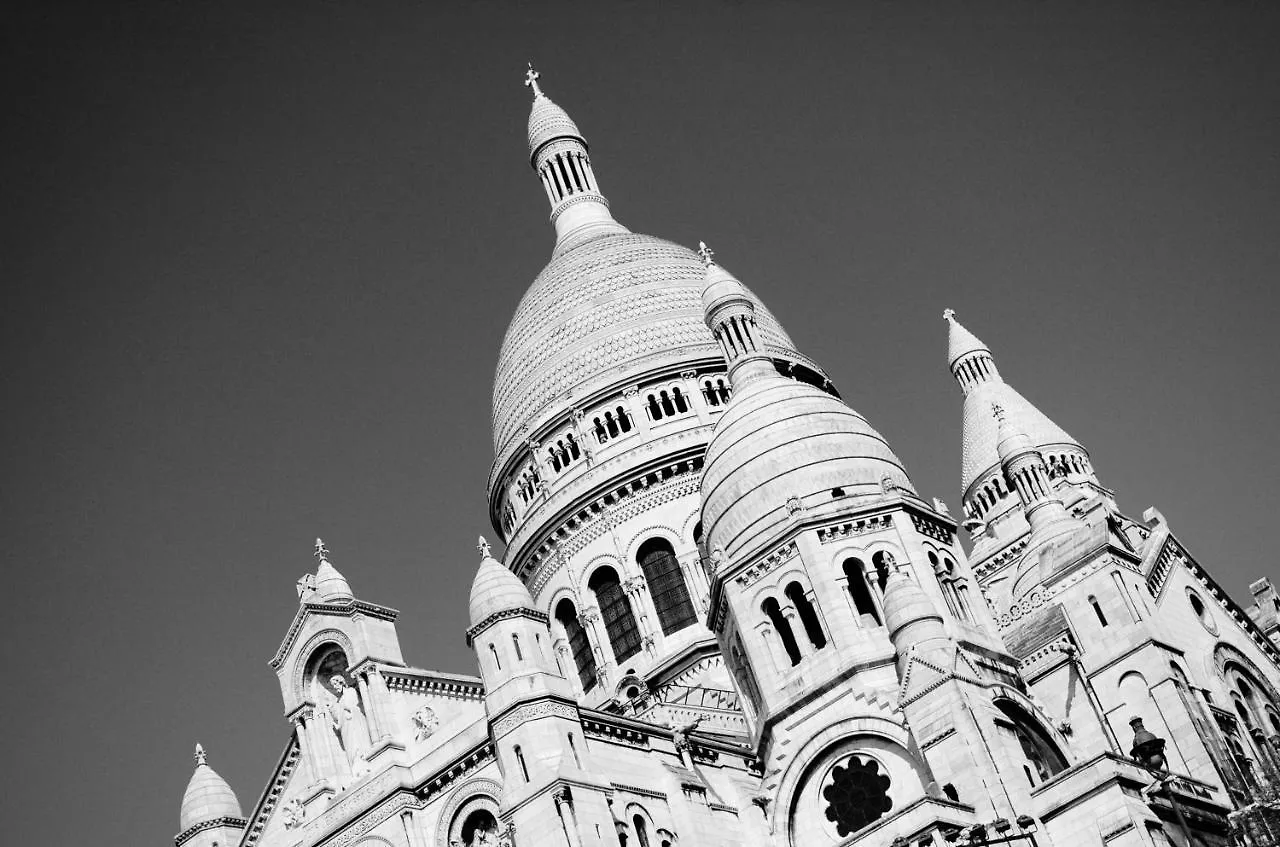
725 615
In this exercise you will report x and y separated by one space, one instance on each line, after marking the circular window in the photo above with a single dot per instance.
857 793
1197 606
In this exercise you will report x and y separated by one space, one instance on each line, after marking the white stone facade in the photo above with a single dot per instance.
726 617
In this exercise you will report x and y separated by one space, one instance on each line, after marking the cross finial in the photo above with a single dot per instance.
201 759
483 547
531 79
322 552
948 314
707 254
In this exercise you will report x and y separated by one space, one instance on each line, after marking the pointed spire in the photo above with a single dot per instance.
331 586
207 798
970 360
730 314
485 550
558 153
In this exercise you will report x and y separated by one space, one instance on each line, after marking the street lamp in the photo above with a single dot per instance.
1148 751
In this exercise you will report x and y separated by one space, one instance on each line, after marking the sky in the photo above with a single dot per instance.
261 257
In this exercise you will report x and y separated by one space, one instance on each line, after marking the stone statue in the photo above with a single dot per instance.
293 814
347 719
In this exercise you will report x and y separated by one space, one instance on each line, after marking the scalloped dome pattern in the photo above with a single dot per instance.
547 122
599 313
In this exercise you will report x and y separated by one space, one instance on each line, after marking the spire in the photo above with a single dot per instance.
1027 473
730 314
208 798
331 586
910 616
495 588
558 154
970 360
974 368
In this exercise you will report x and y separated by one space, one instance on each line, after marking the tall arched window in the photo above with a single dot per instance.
1042 759
670 595
783 627
493 651
524 769
579 644
642 831
808 615
1097 610
515 642
863 603
615 611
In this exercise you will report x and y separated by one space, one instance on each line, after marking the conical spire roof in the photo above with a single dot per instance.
331 586
208 797
547 121
495 588
983 387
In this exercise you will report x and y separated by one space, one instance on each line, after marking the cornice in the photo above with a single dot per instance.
504 614
186 834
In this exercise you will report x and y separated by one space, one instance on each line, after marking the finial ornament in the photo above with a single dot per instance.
201 758
948 314
483 547
531 78
322 552
707 254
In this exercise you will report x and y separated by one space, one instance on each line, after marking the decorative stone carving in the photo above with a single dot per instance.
794 506
293 813
425 723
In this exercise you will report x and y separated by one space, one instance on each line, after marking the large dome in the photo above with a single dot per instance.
781 439
604 311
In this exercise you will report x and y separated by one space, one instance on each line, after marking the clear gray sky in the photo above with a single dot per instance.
260 257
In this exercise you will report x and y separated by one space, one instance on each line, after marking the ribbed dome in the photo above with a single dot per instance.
601 312
905 603
496 589
982 434
208 797
547 122
781 439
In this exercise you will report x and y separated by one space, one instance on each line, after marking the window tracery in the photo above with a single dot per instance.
856 794
615 610
667 588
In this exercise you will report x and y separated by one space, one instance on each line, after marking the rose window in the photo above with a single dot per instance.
857 793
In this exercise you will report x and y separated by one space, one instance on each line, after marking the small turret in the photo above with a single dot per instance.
558 153
210 811
912 619
331 586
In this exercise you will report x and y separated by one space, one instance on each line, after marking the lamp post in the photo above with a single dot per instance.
1148 752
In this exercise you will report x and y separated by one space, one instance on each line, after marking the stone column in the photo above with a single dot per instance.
591 617
695 579
798 632
568 820
630 402
371 715
693 393
409 822
637 593
304 745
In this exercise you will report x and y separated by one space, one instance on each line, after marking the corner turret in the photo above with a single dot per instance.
211 815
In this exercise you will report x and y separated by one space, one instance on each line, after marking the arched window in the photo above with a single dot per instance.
642 831
808 615
515 642
579 644
670 595
655 411
524 769
573 748
667 408
857 794
709 392
1097 610
479 828
615 611
1041 755
497 663
863 602
783 628
677 396
574 451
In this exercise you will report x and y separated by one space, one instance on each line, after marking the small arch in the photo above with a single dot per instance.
655 411
573 748
808 615
881 563
515 642
782 626
863 603
1043 759
642 830
493 651
837 493
579 644
524 768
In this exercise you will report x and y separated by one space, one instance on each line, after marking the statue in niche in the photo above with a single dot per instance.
293 814
347 719
424 722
